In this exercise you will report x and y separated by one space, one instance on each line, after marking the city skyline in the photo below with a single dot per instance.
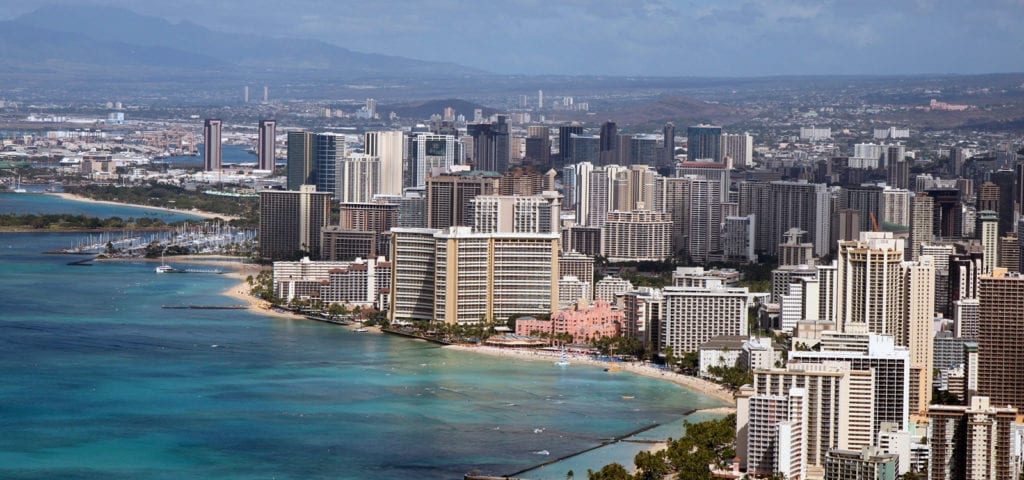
743 39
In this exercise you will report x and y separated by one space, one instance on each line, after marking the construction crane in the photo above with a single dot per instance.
874 222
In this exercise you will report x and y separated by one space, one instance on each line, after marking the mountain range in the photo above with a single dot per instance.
80 41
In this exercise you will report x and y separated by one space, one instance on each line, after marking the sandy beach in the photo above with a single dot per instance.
696 384
198 213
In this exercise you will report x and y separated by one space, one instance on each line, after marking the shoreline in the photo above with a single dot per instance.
694 384
196 213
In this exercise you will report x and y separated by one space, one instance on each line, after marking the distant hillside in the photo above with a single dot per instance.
83 40
681 110
427 108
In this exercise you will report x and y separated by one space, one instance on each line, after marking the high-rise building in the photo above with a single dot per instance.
988 232
449 196
565 133
486 277
516 214
973 442
358 178
866 199
643 150
704 143
290 222
584 148
212 145
608 153
578 265
378 216
330 154
1009 253
792 252
781 205
637 235
432 152
538 146
895 207
491 145
413 254
266 154
772 437
711 171
301 168
738 150
988 197
869 463
704 219
898 167
1006 180
694 315
668 144
887 363
838 407
387 146
870 281
947 215
921 217
1001 338
738 239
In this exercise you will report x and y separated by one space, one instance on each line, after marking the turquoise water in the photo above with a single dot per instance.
97 381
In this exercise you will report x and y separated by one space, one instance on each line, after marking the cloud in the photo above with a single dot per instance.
643 37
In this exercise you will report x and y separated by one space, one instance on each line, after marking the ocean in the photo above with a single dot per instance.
98 381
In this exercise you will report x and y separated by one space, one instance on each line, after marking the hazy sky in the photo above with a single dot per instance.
640 37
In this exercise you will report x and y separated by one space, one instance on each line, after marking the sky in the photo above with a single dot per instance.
634 37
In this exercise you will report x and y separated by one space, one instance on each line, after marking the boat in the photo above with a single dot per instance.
613 369
361 330
18 188
164 267
628 397
564 360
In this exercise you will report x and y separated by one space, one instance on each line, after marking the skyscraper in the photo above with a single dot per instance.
212 145
921 217
301 166
1006 180
704 143
779 206
668 144
267 137
988 232
738 150
449 196
290 222
330 152
565 133
609 144
1001 338
387 147
972 442
491 145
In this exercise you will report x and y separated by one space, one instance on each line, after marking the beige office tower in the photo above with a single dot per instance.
919 300
921 220
637 235
870 277
517 214
412 274
387 146
358 177
974 442
988 232
839 411
487 277
704 219
672 196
